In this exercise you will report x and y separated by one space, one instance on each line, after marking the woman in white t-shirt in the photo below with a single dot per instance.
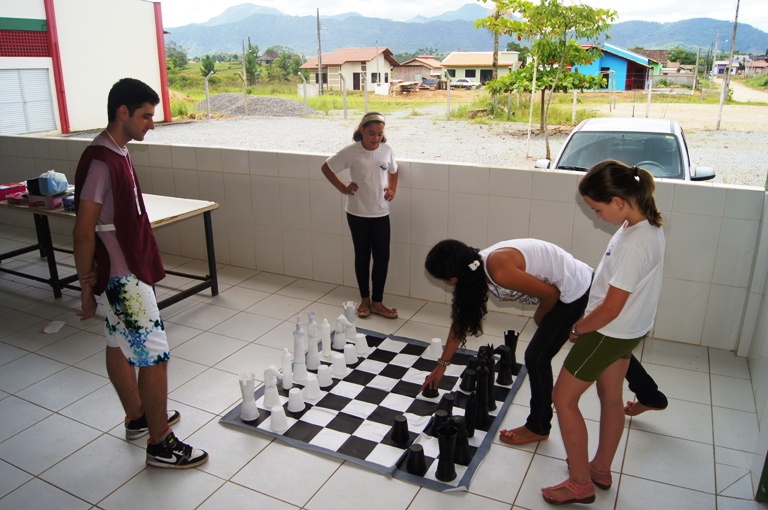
373 184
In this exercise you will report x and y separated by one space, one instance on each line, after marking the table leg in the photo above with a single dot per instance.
211 253
46 250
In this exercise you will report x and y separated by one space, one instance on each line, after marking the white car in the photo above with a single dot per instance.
465 83
657 145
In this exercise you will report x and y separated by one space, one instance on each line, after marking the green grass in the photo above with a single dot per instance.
757 82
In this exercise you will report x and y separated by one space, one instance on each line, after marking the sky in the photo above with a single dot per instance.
754 12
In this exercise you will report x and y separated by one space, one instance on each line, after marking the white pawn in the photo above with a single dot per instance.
361 343
299 364
278 420
435 349
312 388
350 356
339 366
324 376
325 338
295 401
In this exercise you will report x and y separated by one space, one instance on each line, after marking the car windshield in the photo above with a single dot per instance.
658 153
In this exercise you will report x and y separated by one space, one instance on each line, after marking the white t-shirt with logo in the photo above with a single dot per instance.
369 169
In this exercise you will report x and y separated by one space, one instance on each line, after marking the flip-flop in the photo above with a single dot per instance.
393 312
363 312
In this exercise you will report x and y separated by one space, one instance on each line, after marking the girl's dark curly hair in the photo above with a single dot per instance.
449 259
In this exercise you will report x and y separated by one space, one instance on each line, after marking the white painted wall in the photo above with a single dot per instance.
101 42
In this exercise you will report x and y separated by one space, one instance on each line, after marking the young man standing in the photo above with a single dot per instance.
116 253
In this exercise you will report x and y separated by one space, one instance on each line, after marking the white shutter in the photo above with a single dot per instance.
25 101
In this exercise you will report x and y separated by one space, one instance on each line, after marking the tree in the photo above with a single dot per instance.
554 29
679 54
207 65
522 51
175 56
251 62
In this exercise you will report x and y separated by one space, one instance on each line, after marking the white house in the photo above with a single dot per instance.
478 65
354 64
59 58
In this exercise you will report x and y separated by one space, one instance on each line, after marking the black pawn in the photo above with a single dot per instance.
468 381
461 455
470 414
471 364
400 433
510 340
430 392
446 440
505 365
446 402
438 420
416 464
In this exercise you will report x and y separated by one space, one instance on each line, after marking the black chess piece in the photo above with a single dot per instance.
416 464
468 381
399 433
438 420
461 455
482 417
446 402
470 414
485 352
430 392
446 440
510 339
505 365
490 363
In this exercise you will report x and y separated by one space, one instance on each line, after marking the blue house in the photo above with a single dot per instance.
622 69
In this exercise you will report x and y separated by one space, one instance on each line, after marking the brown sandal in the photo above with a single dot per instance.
569 492
363 312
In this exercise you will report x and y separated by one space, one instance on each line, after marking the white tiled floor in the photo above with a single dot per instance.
62 445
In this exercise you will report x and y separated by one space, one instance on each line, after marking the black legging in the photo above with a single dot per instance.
370 237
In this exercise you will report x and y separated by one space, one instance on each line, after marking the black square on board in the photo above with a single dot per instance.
422 408
335 402
413 349
357 447
384 415
406 388
394 371
425 365
372 395
359 377
303 431
346 423
382 355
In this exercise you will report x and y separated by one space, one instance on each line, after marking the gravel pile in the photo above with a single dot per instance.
231 104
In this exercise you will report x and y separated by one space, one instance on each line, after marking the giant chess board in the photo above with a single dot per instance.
352 418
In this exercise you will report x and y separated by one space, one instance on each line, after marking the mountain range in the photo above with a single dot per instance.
449 31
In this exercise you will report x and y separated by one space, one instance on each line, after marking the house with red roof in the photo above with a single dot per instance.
374 66
478 65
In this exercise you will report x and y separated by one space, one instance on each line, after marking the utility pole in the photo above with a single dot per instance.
319 56
727 78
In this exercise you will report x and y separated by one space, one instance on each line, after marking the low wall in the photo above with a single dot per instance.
279 214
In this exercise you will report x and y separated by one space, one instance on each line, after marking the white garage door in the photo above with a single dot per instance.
25 102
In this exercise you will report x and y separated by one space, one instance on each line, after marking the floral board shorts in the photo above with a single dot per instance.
133 322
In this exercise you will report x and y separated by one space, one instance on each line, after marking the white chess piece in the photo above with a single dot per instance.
249 411
350 356
325 338
339 335
339 366
324 376
278 420
435 349
271 396
311 390
295 401
313 356
287 371
350 310
361 343
299 363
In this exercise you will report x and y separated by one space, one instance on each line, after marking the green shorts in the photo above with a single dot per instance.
594 352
